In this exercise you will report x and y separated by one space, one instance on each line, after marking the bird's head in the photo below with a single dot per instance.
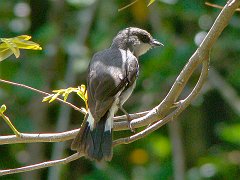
136 40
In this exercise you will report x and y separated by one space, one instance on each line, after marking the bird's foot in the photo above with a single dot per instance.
129 123
128 118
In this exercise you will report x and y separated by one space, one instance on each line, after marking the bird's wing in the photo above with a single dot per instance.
109 73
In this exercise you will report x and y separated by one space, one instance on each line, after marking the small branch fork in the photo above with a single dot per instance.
166 111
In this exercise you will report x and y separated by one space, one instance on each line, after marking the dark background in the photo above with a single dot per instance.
70 32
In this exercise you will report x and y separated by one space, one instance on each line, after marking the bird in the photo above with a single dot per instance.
112 75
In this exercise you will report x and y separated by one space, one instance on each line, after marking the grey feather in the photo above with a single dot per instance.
112 75
104 81
95 144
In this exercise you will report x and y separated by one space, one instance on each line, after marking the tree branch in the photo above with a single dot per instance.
41 137
42 92
159 115
199 55
41 165
181 106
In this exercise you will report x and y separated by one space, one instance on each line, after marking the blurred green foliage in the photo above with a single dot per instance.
210 127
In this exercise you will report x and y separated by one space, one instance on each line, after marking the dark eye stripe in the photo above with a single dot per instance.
144 38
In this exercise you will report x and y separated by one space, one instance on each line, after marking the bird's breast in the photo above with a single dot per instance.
126 93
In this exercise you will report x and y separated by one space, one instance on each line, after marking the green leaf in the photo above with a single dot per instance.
5 53
11 46
7 120
3 108
54 97
81 91
150 2
65 96
47 98
60 91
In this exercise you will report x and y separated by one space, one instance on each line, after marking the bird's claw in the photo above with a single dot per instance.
129 123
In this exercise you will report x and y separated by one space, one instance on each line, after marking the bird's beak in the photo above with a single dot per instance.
155 43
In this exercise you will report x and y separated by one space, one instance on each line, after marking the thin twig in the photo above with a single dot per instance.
132 116
9 123
125 7
53 137
217 6
44 93
41 165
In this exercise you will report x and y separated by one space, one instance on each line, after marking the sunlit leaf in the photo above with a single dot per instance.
83 88
9 46
24 37
47 98
7 120
81 94
5 53
60 91
54 97
150 2
86 95
80 91
65 96
3 108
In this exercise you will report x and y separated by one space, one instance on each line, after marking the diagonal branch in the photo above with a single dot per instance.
181 106
199 55
41 137
159 113
44 93
41 165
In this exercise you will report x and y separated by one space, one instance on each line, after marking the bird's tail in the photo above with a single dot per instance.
95 142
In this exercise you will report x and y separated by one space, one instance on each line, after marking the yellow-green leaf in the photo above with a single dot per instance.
3 108
65 96
24 37
150 2
86 95
83 88
47 98
55 96
80 91
12 47
80 94
5 53
60 91
9 46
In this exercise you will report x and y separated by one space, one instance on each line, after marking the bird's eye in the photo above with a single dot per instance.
144 38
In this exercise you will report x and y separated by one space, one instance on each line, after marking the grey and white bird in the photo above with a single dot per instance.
112 75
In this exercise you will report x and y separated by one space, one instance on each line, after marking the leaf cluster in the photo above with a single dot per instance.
9 46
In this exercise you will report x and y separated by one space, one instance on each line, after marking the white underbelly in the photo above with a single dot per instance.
126 94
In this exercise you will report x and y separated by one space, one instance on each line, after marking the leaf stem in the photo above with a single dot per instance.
9 123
